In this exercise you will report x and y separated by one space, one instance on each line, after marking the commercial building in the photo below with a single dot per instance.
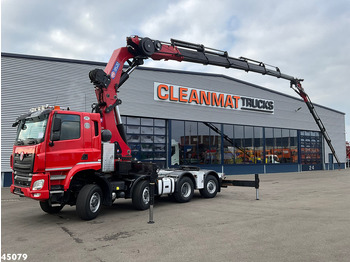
181 118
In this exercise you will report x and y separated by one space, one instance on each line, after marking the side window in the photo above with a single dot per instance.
70 126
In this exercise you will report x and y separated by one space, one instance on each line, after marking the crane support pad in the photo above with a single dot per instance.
244 183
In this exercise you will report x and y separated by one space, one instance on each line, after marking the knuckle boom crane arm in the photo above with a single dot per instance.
108 81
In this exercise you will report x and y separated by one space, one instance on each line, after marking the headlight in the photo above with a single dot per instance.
38 184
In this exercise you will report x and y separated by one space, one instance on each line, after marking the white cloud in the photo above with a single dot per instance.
191 21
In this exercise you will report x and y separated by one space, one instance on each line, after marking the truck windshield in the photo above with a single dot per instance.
31 131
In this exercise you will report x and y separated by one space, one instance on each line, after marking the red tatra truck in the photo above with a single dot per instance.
63 157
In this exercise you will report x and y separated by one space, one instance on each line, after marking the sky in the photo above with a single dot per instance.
308 39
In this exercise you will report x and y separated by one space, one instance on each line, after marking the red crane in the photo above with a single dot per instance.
138 49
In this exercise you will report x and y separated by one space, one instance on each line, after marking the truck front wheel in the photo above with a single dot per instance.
185 190
89 202
210 187
141 196
46 207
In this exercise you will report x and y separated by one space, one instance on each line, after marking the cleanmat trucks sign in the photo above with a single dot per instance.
199 97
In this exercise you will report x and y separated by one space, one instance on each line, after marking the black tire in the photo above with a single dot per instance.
211 187
46 207
89 202
141 195
185 190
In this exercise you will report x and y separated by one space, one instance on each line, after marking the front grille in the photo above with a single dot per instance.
25 165
22 179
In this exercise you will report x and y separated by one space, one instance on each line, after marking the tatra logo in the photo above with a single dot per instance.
200 97
21 156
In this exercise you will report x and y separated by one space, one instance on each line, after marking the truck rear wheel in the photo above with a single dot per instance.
210 187
46 207
89 202
141 195
185 190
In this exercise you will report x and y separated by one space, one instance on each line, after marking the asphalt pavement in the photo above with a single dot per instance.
299 217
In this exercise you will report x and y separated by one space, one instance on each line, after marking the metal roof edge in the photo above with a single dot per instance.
54 59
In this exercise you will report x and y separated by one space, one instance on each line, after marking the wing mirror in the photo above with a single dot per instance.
56 130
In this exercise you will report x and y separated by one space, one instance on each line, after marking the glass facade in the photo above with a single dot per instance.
195 142
311 147
199 143
204 143
147 139
281 145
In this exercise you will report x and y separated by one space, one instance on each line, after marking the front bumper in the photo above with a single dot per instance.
41 194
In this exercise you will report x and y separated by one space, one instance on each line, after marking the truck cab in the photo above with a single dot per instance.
50 146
